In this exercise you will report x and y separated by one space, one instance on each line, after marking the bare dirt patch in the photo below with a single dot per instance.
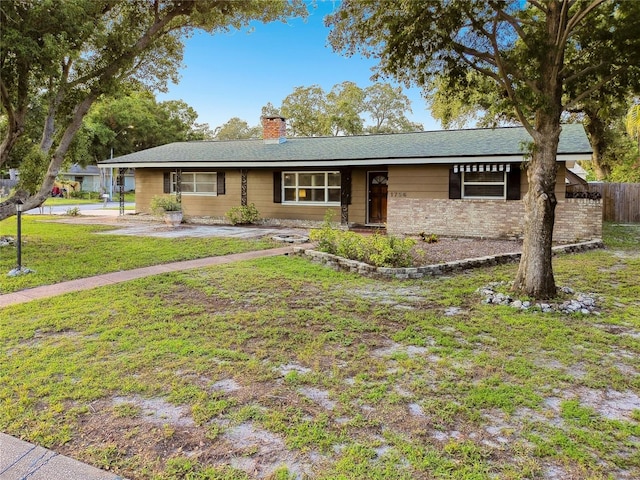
448 249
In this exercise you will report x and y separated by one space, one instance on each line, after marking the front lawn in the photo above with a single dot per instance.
279 368
59 252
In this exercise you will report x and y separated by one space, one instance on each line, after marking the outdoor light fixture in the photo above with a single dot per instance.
19 205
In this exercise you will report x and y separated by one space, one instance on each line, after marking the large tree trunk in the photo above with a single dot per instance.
596 129
535 273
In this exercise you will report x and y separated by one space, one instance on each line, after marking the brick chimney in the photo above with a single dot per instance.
274 130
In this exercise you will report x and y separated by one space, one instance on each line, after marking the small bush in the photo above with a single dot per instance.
376 249
429 237
73 211
243 214
161 204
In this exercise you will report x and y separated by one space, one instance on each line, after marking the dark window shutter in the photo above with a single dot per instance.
220 186
455 185
277 187
513 183
166 182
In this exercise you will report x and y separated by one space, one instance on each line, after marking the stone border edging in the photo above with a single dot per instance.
344 264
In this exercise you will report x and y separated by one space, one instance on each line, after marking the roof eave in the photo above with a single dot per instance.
363 162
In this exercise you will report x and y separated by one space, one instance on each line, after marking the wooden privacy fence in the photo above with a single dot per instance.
620 201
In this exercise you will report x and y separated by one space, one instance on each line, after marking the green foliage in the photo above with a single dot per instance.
243 214
305 110
163 203
132 121
61 57
237 129
387 106
379 250
32 170
632 123
86 195
72 211
429 237
312 112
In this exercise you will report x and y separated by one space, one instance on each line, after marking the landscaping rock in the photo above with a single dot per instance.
582 303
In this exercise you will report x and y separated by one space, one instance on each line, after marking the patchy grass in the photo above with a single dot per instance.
279 368
59 252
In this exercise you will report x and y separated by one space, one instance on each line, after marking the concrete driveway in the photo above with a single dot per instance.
148 226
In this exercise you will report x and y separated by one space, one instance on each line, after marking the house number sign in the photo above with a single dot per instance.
399 194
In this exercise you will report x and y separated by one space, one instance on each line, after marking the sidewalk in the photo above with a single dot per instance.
80 284
21 461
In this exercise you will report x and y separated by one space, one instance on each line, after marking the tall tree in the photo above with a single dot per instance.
523 48
237 129
136 121
345 104
387 107
342 111
69 53
305 109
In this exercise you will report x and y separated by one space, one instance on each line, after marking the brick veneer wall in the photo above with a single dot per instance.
576 219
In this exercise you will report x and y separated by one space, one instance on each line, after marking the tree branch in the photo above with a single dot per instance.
579 16
514 23
505 80
584 71
592 89
538 5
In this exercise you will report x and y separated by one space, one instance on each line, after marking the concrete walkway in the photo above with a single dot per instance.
80 284
23 461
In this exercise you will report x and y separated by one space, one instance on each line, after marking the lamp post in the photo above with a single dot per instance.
19 204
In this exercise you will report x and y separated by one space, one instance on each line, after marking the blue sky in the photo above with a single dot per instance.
236 74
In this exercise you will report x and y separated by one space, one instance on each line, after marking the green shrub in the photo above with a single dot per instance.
243 214
429 237
73 211
161 204
379 250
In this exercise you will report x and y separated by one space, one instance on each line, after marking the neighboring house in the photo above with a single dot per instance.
94 179
453 182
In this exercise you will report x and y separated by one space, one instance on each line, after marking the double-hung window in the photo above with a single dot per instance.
195 183
487 184
319 188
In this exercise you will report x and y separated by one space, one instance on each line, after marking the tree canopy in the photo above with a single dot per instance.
541 58
62 55
345 110
237 129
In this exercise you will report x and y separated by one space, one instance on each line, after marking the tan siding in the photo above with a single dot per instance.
149 182
358 207
429 181
560 181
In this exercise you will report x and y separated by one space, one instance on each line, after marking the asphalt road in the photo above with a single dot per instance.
61 209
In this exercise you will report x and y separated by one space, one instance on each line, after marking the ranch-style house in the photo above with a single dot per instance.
465 183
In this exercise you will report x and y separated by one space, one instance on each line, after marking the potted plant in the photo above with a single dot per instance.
170 209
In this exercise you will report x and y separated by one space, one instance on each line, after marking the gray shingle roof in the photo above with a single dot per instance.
421 147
